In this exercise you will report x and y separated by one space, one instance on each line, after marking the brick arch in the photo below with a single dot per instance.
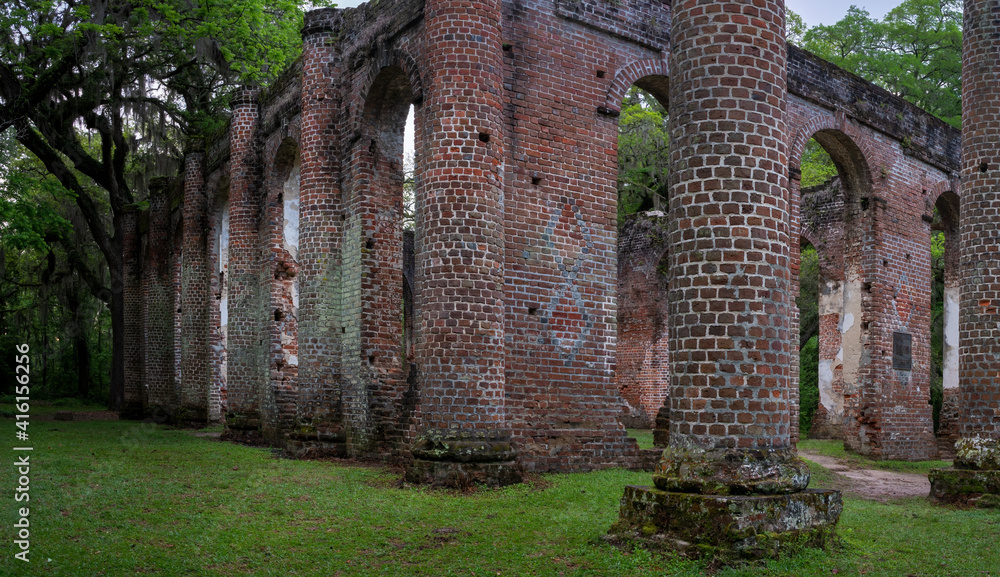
385 58
836 124
951 185
633 73
280 163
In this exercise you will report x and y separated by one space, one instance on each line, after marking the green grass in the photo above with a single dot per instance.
832 448
8 410
643 436
121 498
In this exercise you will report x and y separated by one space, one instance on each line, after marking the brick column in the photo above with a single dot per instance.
729 297
730 292
244 348
158 309
460 271
977 477
318 422
134 405
196 373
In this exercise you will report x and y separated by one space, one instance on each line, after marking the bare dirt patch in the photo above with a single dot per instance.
872 483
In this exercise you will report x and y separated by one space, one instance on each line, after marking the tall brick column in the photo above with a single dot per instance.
976 477
460 271
729 295
134 405
244 347
318 421
196 373
158 309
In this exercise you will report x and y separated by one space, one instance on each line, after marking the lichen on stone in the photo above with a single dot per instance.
979 453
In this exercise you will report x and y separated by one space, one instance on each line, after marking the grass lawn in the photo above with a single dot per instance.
120 498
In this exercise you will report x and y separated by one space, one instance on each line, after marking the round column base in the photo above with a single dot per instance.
731 471
460 459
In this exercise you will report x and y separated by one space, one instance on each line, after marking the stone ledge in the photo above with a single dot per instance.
745 526
966 487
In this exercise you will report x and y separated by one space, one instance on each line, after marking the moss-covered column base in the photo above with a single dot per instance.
727 527
966 487
460 459
243 428
315 439
975 480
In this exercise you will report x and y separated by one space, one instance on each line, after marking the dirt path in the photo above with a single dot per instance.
873 484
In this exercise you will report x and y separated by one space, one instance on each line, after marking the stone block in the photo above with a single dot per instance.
743 526
966 487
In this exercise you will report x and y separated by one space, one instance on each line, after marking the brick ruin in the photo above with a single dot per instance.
266 286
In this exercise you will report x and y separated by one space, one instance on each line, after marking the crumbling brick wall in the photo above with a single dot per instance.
642 369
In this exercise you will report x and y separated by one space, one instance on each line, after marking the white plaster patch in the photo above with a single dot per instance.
950 352
290 194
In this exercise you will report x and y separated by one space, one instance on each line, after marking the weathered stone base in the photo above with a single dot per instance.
313 449
966 487
727 527
463 475
462 458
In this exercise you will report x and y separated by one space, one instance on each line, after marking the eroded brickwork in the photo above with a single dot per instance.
642 368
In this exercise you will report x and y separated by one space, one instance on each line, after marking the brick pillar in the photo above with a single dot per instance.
244 348
729 298
730 306
318 423
158 301
196 372
134 404
979 326
460 271
976 479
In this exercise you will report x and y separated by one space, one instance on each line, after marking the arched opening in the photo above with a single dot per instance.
380 194
833 189
219 288
642 356
280 237
944 317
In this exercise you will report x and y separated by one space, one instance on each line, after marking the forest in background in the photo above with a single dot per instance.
98 97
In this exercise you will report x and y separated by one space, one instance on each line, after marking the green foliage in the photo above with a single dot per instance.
937 321
643 158
808 385
816 165
914 52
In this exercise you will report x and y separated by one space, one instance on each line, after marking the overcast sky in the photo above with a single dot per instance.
812 11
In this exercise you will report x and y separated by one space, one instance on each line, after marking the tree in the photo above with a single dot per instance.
102 92
643 159
915 52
